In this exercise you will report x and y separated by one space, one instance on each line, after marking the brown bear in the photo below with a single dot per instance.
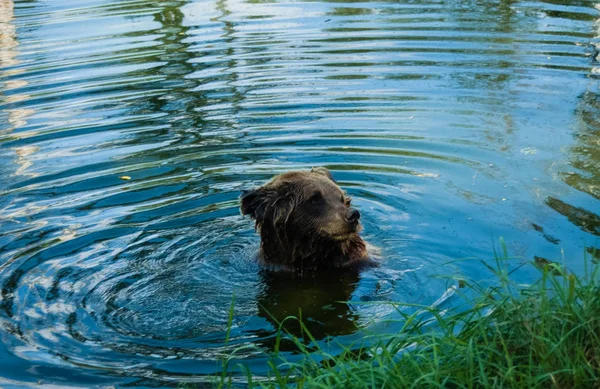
306 223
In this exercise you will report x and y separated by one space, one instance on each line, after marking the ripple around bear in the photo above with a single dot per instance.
306 223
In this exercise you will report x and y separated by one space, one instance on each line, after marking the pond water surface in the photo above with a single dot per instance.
451 123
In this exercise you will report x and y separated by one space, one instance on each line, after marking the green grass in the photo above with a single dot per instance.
542 335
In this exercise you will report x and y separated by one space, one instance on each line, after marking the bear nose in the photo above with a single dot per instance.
353 215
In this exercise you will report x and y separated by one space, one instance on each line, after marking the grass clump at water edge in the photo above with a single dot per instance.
543 335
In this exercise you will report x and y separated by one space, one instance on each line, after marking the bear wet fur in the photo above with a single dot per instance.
305 222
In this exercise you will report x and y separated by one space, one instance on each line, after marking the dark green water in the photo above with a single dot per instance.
451 123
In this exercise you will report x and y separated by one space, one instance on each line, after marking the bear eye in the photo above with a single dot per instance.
316 198
346 200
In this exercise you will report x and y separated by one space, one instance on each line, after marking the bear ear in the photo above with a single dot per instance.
255 202
322 171
249 202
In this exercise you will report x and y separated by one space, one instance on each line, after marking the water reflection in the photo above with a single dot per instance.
17 117
447 123
586 220
321 300
8 34
583 172
585 154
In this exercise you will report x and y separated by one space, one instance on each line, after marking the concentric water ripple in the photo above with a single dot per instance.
129 128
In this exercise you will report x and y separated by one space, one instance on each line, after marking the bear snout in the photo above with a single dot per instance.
352 216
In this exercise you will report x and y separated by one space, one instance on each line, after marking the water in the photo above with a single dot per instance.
450 123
